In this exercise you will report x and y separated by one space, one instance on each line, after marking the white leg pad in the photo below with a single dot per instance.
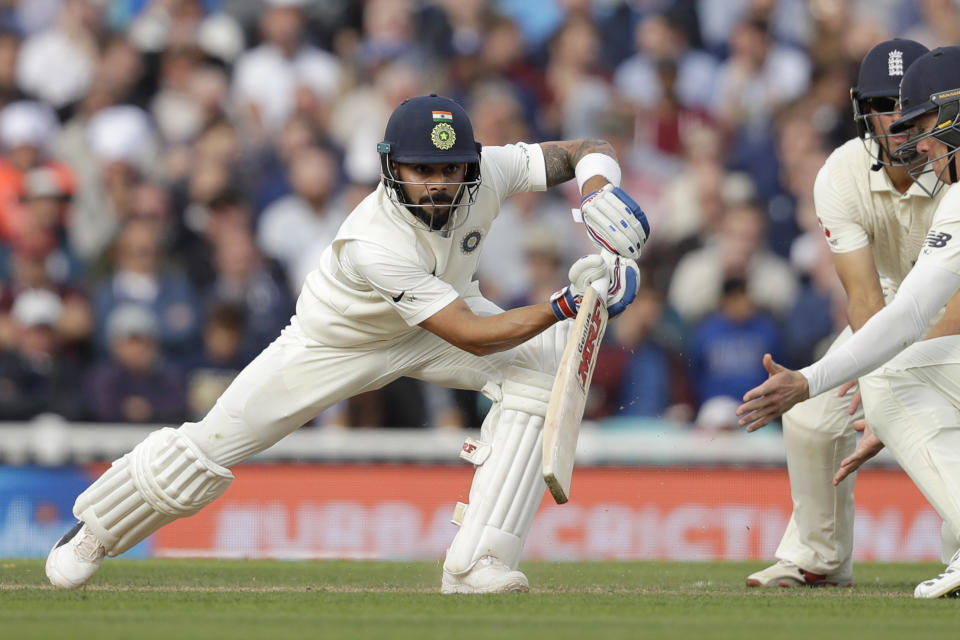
165 477
508 485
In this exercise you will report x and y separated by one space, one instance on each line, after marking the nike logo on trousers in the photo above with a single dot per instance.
397 298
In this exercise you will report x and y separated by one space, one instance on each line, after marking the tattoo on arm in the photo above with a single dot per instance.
561 157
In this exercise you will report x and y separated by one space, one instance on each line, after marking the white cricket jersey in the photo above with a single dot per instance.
922 294
858 207
942 245
385 272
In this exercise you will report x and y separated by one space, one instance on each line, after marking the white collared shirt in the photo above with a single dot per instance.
858 207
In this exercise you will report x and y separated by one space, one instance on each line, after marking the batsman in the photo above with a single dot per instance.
395 295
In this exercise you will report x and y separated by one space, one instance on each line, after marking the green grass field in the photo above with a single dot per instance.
185 599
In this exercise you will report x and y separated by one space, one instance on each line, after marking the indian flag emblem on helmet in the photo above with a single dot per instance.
443 136
442 116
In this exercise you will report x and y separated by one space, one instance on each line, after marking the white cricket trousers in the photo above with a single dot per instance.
296 378
817 435
913 405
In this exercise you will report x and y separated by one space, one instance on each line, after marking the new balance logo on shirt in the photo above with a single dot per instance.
937 239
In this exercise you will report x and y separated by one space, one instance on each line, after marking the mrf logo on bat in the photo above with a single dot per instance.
588 345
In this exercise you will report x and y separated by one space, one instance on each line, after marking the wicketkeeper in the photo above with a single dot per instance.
394 296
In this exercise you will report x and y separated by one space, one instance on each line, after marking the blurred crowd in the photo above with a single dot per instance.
170 171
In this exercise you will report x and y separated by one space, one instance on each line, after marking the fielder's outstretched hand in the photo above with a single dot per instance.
621 278
783 389
868 447
615 222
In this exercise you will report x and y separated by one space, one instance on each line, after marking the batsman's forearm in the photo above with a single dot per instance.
510 328
561 157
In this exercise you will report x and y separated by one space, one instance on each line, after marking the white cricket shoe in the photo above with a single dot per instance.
75 558
786 574
489 575
945 584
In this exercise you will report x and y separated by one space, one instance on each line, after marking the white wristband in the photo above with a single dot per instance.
597 164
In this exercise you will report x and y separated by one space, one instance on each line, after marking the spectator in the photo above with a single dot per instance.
222 358
245 278
176 107
45 204
544 266
727 347
818 312
311 209
504 59
139 276
640 371
659 40
134 383
939 25
267 78
35 375
41 259
736 251
27 131
121 149
757 78
579 92
57 65
37 268
522 248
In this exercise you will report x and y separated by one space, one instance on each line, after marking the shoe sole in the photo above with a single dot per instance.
510 587
752 582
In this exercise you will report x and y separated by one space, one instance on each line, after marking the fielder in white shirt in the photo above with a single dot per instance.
912 401
875 219
395 296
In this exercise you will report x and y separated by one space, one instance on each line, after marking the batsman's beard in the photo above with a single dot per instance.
434 210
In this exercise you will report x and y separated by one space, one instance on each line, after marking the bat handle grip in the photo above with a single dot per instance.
601 285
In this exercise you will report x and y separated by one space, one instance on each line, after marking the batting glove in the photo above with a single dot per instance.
615 222
622 278
624 283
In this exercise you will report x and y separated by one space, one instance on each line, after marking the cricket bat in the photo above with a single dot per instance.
561 427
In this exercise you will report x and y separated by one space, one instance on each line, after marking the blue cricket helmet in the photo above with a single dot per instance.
878 86
431 130
931 84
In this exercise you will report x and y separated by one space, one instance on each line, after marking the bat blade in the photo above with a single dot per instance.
568 398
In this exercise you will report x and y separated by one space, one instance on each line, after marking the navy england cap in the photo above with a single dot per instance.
884 65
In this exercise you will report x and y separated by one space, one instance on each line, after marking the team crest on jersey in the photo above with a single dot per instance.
443 136
471 241
895 63
937 239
